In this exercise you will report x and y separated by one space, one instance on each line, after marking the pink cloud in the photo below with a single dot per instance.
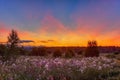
3 32
3 28
51 25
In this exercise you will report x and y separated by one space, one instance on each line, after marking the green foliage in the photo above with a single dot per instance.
92 49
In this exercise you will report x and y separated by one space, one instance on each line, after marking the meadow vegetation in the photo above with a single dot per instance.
16 63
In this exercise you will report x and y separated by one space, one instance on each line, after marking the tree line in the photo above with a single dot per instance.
12 49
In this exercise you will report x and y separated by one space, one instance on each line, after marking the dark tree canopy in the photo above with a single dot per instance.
92 49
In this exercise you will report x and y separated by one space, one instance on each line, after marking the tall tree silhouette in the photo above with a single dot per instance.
13 49
13 39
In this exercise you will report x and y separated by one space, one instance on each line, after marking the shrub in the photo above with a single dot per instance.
2 49
23 51
3 52
69 54
110 56
38 51
42 51
80 53
33 51
57 53
92 49
116 53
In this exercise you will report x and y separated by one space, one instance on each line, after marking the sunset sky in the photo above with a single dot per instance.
61 22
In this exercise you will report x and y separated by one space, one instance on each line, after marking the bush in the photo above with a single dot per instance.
69 54
8 53
110 56
116 53
80 53
23 51
42 51
33 51
38 51
57 53
92 49
2 49
3 52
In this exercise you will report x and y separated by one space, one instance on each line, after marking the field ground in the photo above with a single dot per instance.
105 67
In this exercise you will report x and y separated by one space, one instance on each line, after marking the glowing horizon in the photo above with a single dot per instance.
61 23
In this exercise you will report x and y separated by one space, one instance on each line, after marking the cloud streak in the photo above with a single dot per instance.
26 41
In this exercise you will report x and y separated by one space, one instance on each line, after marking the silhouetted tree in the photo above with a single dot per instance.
12 49
13 39
92 49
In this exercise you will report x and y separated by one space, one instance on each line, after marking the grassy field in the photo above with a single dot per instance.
104 67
